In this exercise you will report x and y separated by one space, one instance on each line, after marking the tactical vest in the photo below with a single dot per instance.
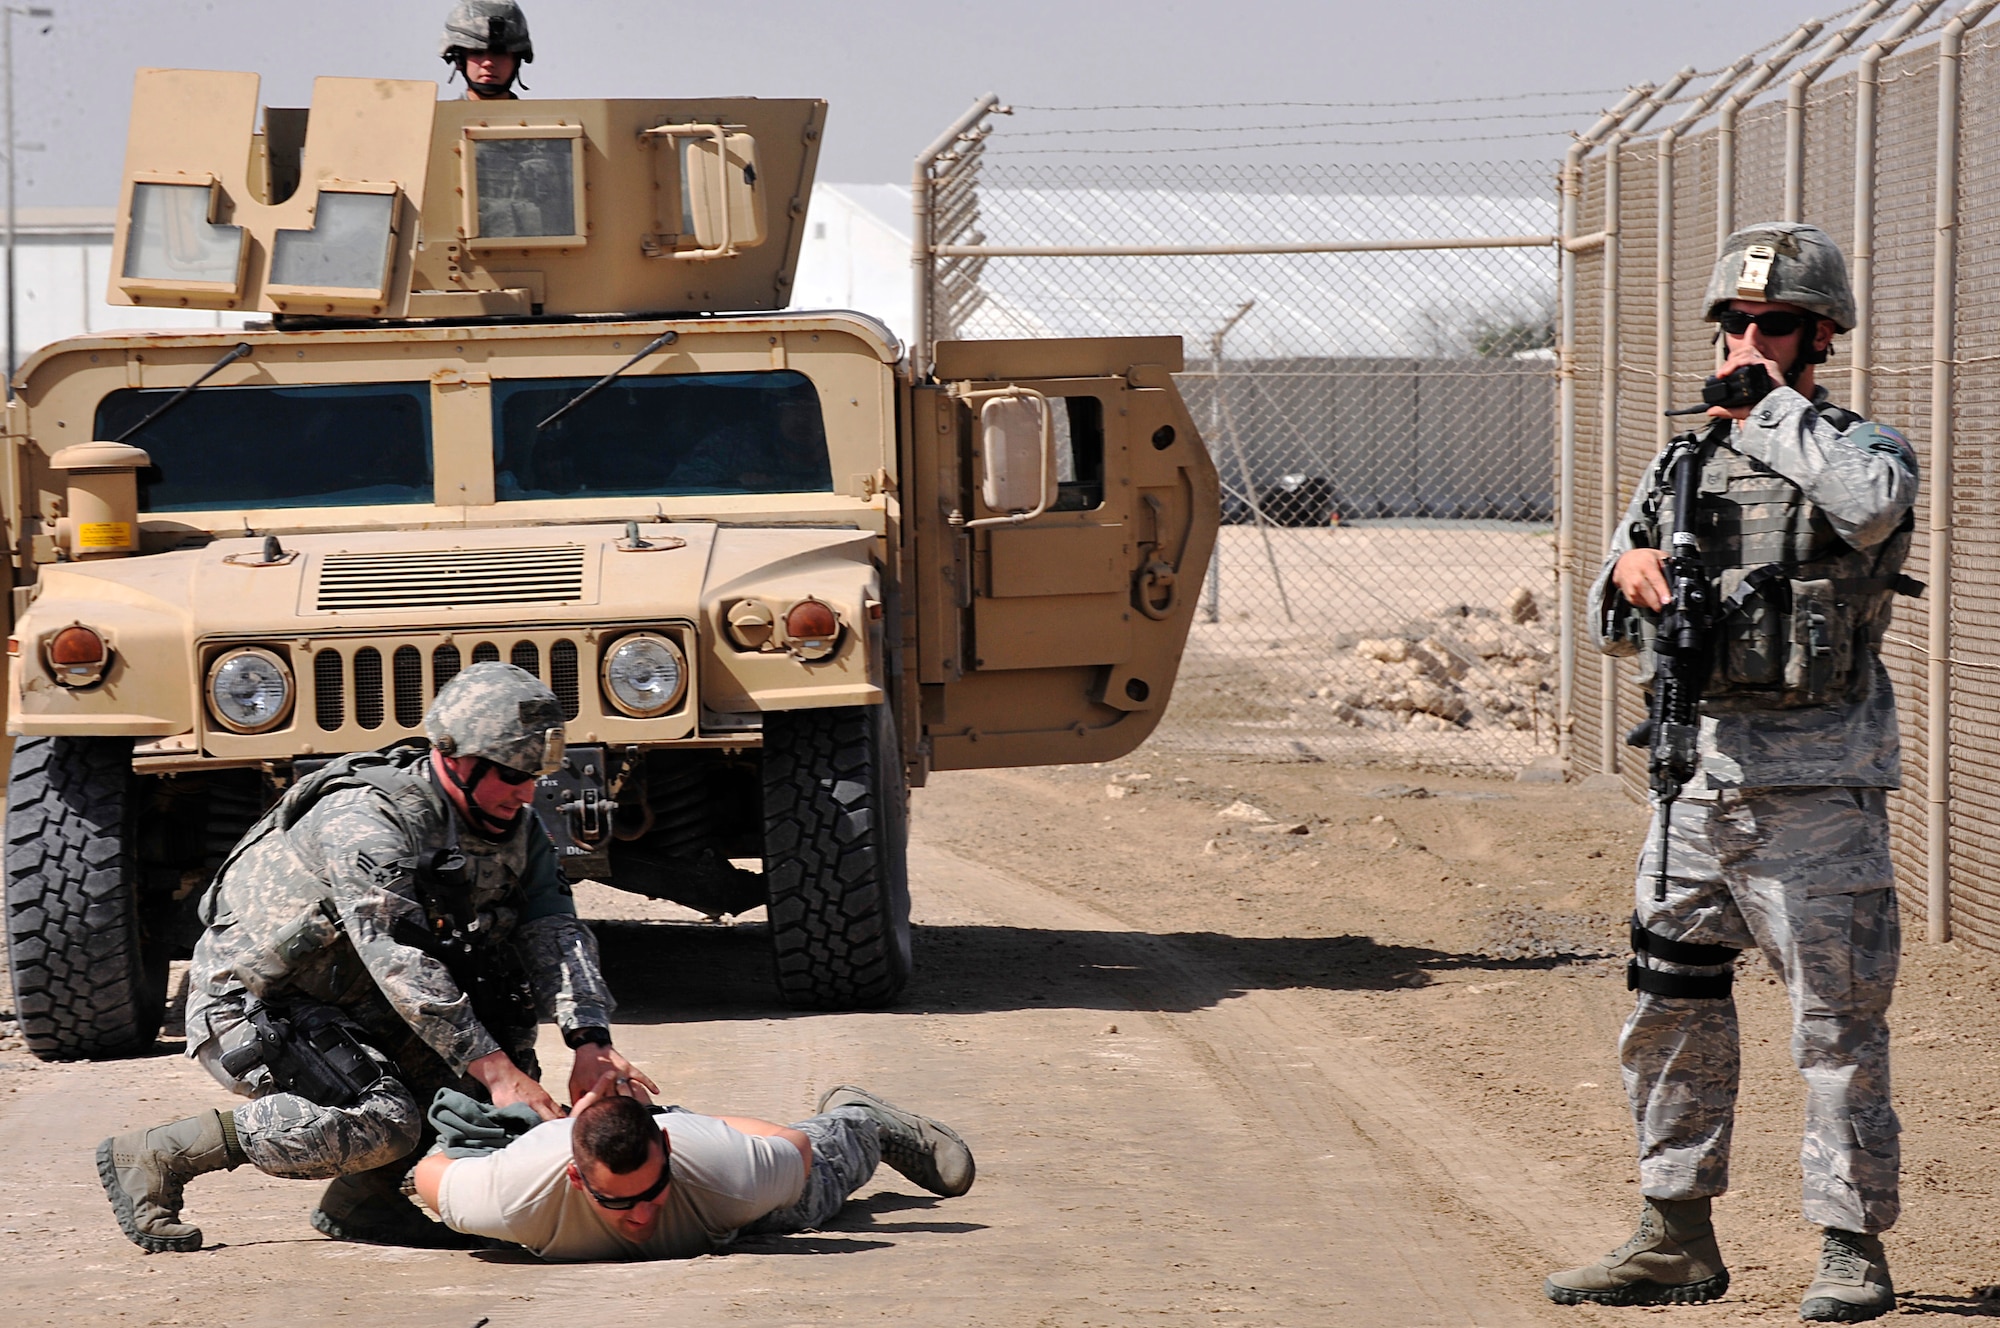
318 927
1799 611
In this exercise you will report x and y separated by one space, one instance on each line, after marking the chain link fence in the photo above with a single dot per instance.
1370 360
1882 126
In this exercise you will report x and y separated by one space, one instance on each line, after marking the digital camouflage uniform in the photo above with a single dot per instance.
1781 841
326 909
363 947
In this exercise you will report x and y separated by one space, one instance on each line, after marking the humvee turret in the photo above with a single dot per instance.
519 387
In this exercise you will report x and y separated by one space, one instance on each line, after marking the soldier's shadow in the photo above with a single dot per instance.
1984 1303
667 972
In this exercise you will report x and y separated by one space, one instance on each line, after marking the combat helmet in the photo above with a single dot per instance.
1782 262
501 714
486 25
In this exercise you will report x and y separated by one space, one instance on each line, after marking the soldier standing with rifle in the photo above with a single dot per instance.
1757 603
396 924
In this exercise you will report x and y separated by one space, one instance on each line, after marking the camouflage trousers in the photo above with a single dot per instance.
1803 875
286 1134
846 1148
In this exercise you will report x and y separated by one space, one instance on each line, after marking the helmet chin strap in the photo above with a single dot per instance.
483 822
491 91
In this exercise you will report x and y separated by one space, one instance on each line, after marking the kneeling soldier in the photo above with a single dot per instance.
394 925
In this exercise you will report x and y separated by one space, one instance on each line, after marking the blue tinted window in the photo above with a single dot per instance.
249 447
687 434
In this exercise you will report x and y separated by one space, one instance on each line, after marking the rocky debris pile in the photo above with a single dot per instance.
1463 667
1533 934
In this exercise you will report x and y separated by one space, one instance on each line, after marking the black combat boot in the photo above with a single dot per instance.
143 1174
1852 1285
1670 1260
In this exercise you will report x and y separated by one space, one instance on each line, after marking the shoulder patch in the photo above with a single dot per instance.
1881 438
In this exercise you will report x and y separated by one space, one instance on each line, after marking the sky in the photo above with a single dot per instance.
896 73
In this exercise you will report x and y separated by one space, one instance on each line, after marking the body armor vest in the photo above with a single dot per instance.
1799 611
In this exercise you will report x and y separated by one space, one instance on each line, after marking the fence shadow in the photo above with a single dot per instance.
675 973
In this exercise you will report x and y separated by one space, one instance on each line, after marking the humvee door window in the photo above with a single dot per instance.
667 435
1079 430
172 240
241 448
346 249
525 188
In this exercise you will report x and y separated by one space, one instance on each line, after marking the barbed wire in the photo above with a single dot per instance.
1288 143
1012 136
1319 105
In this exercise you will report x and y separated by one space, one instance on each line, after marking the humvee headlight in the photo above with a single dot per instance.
249 690
812 630
644 674
77 656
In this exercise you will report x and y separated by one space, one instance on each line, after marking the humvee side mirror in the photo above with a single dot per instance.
1016 453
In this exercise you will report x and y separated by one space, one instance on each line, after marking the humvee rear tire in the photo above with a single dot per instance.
88 979
836 822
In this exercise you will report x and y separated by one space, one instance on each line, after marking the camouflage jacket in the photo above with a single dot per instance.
1865 493
329 902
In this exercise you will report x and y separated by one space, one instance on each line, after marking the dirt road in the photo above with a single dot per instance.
1351 1067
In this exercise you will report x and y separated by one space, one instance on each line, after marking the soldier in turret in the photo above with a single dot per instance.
486 42
396 924
1781 839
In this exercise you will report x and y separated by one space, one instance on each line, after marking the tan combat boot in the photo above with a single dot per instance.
1670 1260
1852 1285
143 1174
926 1151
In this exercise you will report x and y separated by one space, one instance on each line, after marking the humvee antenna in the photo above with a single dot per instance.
237 352
664 339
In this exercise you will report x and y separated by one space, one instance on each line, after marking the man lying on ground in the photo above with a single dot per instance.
620 1179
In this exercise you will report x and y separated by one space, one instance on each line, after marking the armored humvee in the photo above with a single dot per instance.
519 388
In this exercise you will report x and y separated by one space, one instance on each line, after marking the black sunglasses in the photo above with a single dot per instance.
625 1203
1776 323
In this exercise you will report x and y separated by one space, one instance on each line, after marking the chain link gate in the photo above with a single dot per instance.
1369 357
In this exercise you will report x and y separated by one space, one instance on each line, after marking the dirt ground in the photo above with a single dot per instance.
1350 1064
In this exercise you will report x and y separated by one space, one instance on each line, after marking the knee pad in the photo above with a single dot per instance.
1691 986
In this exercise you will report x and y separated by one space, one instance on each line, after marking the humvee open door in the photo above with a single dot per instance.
1049 626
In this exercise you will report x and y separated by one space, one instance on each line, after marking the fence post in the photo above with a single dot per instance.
1944 351
1795 103
1725 124
922 249
1867 83
1607 406
1570 245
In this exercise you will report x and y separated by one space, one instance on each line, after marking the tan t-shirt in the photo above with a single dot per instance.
722 1180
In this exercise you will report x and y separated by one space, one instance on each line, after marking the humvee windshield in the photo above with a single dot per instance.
685 434
345 445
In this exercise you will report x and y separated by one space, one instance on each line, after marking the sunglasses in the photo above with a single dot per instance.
626 1203
1776 323
509 776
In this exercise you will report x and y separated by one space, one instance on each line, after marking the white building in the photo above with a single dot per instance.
62 260
856 255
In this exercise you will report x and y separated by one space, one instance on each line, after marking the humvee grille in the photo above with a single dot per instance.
329 695
446 577
407 697
409 667
562 677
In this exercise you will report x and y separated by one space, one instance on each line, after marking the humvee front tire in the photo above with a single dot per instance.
836 818
88 979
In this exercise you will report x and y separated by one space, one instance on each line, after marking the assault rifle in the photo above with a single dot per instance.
1683 649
